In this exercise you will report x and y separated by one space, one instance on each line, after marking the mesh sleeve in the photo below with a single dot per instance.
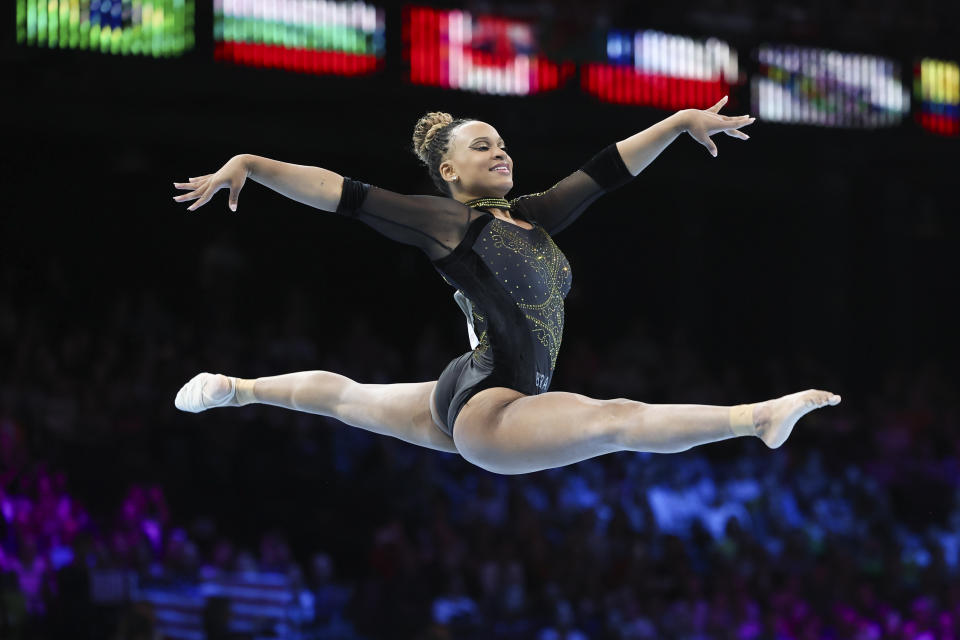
563 203
435 224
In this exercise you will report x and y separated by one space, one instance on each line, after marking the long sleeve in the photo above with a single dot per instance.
435 224
563 203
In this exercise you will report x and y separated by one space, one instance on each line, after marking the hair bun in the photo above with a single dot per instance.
432 137
426 128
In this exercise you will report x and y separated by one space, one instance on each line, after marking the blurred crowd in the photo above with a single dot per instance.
851 530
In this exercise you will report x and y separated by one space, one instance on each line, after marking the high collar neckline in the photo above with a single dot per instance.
488 203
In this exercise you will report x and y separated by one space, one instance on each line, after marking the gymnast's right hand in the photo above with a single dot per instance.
231 176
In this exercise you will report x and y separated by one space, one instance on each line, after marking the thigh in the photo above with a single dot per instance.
505 431
486 406
481 412
402 410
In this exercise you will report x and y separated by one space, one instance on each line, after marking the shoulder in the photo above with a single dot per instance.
530 198
522 203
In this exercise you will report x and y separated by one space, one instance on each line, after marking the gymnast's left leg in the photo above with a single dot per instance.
505 431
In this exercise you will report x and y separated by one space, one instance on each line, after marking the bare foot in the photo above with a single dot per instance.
774 419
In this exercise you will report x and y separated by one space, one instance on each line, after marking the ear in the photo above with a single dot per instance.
447 171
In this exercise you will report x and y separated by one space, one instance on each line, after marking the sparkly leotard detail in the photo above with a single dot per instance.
511 288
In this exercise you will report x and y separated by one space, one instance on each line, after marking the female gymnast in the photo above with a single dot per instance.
491 404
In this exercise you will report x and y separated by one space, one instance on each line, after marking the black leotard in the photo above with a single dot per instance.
510 281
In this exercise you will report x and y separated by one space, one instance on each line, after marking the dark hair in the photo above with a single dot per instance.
431 141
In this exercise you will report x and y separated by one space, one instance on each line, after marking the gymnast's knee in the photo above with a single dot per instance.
621 416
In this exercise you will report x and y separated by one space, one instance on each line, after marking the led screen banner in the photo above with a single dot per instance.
936 88
481 53
156 28
661 70
312 36
828 88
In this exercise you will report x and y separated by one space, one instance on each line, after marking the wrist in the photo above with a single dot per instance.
680 120
245 160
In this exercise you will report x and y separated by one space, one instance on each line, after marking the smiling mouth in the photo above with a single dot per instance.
501 170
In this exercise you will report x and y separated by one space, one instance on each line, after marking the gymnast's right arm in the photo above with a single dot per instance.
314 186
435 224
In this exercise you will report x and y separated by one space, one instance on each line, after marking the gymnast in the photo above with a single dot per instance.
492 404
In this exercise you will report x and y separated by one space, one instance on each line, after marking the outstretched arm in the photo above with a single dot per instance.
618 163
313 186
434 224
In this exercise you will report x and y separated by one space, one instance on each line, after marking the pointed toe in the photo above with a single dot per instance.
190 396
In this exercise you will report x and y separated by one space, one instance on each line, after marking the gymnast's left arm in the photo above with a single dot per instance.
617 164
640 149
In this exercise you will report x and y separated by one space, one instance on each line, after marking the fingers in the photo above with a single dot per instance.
734 120
197 186
199 203
715 123
193 195
202 201
738 121
732 124
192 183
234 194
201 189
715 108
712 148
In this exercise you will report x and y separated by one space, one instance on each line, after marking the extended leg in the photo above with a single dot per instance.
507 432
400 410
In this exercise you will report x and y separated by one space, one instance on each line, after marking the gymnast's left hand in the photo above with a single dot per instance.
703 123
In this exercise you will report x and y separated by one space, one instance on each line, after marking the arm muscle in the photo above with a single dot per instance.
314 186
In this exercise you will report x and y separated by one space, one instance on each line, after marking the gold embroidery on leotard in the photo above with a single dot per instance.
548 261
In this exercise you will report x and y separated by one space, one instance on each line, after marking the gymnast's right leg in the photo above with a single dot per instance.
402 410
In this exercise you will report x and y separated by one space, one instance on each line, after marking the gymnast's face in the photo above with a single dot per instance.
475 150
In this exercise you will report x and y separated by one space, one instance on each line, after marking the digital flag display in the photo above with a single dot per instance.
157 28
827 88
936 88
661 70
312 36
481 53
